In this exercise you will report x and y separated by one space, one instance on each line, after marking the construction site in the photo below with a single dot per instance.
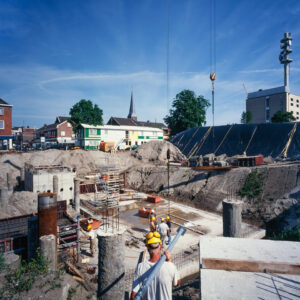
88 213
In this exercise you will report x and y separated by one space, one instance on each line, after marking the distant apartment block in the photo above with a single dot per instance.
23 135
263 104
6 136
60 132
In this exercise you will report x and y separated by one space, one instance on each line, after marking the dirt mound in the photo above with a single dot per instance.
156 152
20 203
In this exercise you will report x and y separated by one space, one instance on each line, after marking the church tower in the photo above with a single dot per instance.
132 114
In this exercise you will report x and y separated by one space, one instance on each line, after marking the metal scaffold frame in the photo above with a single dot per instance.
106 198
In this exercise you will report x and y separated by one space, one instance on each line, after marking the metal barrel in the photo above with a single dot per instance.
47 212
180 231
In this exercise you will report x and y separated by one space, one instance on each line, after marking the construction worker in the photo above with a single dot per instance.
152 214
92 242
163 229
160 287
169 232
153 224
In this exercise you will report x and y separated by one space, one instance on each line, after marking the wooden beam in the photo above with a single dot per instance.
250 266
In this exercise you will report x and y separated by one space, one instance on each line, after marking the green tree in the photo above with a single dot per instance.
281 117
85 112
246 117
187 111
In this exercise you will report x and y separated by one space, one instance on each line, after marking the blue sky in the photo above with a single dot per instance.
54 53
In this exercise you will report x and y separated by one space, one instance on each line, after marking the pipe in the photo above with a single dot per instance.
180 231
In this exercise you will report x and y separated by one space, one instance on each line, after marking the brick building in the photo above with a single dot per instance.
60 132
6 136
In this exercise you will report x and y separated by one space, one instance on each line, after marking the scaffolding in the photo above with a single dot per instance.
106 198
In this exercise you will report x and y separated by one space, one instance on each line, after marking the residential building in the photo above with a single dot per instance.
263 104
60 132
23 135
90 136
6 136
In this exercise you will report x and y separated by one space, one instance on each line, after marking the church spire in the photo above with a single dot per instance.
132 114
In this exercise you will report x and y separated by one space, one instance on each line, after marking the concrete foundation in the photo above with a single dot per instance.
10 185
32 237
111 264
48 250
77 194
4 197
232 218
39 179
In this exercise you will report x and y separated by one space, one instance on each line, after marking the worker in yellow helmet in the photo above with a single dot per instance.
161 285
153 224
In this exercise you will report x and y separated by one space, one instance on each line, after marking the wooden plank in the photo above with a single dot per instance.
191 229
250 266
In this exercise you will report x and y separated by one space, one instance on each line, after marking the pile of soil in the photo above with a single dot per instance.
156 152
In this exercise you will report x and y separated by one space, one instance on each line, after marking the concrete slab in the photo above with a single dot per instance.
249 249
236 254
226 285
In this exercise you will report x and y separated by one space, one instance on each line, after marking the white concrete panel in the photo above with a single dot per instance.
226 285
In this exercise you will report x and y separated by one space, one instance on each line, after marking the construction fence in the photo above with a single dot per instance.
274 139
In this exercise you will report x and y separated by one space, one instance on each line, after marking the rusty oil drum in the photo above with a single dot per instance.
47 212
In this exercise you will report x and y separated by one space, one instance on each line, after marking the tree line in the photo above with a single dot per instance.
188 110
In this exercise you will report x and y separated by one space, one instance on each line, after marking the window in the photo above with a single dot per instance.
297 105
1 111
297 118
93 131
267 103
106 131
292 99
297 112
297 101
63 133
292 104
1 124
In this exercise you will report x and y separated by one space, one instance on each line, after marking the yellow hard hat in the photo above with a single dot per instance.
162 219
89 227
153 218
168 218
153 238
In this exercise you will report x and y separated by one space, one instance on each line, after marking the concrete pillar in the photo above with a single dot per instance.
10 144
47 212
10 185
55 186
77 194
48 249
111 267
32 237
232 218
4 197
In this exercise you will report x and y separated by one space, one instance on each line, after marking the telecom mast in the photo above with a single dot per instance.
286 42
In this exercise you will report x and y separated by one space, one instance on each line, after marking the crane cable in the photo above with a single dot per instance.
168 106
213 56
